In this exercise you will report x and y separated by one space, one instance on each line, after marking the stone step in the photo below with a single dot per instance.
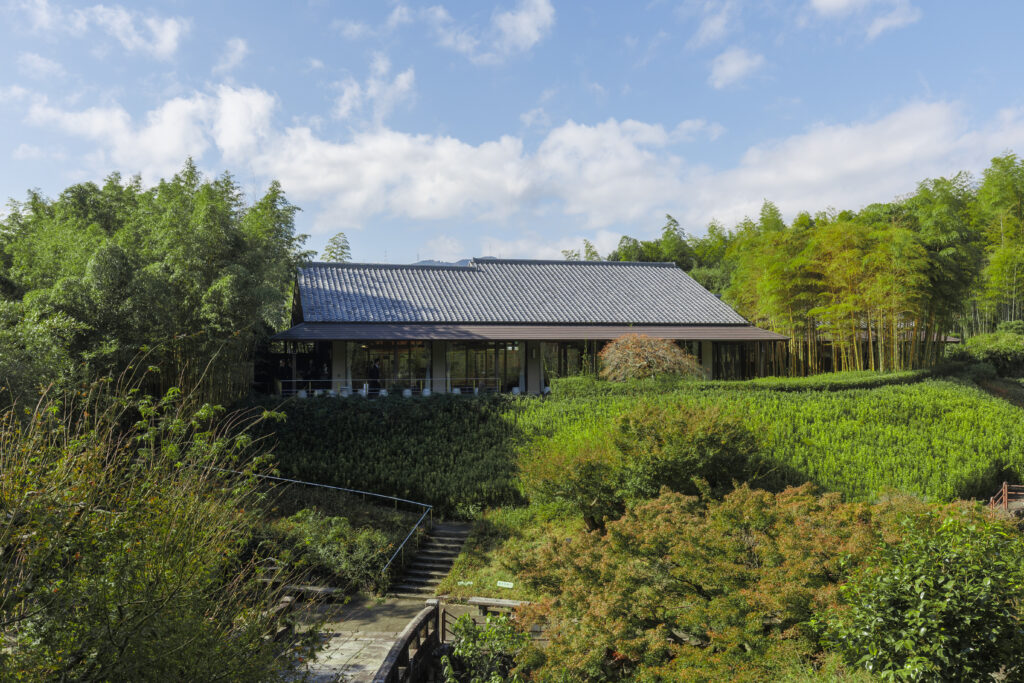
438 554
426 573
416 590
417 580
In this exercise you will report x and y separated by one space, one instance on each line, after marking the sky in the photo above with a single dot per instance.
513 129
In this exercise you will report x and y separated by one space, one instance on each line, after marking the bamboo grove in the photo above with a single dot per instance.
876 289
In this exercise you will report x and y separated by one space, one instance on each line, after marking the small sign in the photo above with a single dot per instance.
465 583
505 584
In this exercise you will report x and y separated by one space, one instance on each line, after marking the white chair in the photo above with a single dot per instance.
425 392
457 391
301 393
383 392
406 393
515 391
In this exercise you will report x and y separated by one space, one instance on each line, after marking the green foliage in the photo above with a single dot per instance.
1002 350
680 590
566 388
486 653
942 439
637 356
336 552
184 269
337 250
456 453
943 603
671 446
122 544
1012 326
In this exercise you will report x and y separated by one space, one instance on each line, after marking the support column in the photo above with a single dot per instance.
706 359
534 368
439 367
339 365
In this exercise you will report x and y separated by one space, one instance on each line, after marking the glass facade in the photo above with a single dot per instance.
391 365
480 367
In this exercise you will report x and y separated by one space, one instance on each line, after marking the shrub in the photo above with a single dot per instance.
601 472
1003 350
122 550
332 549
1013 326
486 653
942 603
636 356
680 589
454 452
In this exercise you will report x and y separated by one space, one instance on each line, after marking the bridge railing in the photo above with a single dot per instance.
413 652
1007 495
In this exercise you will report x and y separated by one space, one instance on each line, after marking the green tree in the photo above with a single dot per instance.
337 250
943 603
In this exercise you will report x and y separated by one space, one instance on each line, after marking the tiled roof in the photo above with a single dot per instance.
510 291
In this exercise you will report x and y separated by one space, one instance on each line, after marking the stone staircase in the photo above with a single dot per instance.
432 562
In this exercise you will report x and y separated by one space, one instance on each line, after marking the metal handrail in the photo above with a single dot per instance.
428 511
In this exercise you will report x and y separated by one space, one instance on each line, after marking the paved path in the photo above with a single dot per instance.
359 635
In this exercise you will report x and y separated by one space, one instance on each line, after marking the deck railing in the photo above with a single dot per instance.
369 388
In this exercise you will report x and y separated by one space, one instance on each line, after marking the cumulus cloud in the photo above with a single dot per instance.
39 67
732 66
379 93
235 51
512 32
600 178
136 32
851 165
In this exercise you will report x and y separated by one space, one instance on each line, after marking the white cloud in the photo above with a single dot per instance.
399 15
838 7
902 14
353 30
509 33
851 165
315 64
535 117
732 66
444 248
715 23
27 152
380 93
39 67
235 51
12 93
155 35
897 13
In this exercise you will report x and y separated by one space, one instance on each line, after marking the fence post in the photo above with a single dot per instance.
1006 493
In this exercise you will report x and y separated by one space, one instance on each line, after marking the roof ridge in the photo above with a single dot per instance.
560 262
395 266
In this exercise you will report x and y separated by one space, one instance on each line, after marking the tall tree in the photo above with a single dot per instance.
337 250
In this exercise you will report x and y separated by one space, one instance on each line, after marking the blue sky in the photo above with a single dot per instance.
516 129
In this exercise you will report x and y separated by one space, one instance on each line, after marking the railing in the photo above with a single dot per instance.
304 388
413 652
1007 495
411 658
428 510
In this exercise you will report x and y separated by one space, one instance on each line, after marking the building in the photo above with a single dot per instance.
498 325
